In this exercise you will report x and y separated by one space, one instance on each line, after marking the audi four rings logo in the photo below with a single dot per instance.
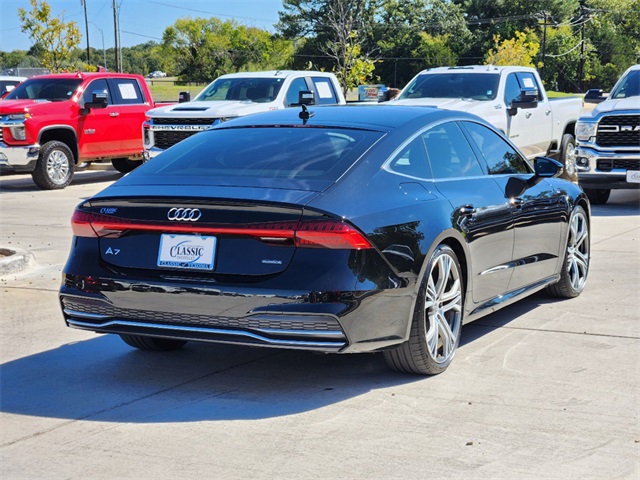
184 214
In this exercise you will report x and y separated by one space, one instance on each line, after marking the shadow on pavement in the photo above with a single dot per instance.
24 183
104 380
622 203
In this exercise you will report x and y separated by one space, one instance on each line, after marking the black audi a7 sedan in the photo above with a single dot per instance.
341 229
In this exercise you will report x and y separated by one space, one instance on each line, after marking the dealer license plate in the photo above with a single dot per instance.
187 251
633 176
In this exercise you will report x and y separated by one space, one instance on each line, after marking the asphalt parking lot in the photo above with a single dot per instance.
541 389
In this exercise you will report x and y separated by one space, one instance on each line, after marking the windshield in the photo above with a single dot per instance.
475 86
629 86
276 157
53 89
260 90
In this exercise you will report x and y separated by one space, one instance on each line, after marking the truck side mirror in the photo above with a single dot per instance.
306 97
528 98
184 97
99 99
594 95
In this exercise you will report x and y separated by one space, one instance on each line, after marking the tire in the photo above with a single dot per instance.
575 268
437 319
124 165
152 343
567 157
597 196
54 167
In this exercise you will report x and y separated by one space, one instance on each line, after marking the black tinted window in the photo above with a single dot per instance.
412 160
293 94
477 86
96 86
511 89
501 157
450 155
54 89
127 91
528 80
268 156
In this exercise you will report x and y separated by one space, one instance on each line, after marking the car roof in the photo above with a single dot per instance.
86 75
275 74
383 117
478 69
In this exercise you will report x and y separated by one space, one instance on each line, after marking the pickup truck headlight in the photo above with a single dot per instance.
586 130
18 133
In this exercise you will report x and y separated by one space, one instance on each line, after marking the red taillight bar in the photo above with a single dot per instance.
308 234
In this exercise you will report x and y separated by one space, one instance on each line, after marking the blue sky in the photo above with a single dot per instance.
140 20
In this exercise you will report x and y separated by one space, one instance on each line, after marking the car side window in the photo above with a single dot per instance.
501 158
127 91
511 89
528 80
449 152
96 86
325 93
412 160
298 85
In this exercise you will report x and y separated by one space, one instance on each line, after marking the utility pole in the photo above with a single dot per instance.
115 30
104 52
544 43
583 17
86 25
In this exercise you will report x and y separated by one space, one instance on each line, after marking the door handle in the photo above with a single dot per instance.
466 210
547 112
527 115
114 114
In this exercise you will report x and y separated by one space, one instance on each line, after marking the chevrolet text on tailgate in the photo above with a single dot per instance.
51 123
512 99
237 95
608 151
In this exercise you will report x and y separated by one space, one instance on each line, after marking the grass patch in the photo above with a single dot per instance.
552 94
165 90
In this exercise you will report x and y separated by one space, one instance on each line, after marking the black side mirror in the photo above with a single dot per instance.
594 95
99 99
528 98
184 97
543 167
547 167
383 95
306 97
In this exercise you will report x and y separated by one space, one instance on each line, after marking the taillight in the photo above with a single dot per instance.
306 234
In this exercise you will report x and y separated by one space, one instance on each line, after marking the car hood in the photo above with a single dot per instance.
21 106
631 103
217 109
464 105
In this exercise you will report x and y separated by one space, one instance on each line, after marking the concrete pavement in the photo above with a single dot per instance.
541 389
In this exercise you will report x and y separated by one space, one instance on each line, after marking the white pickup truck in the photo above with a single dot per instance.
608 151
236 95
510 98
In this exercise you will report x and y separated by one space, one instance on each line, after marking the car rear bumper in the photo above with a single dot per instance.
275 311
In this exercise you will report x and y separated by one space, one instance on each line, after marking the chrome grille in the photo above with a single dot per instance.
617 131
166 139
310 323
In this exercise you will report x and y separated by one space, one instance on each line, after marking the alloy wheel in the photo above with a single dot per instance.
578 251
58 166
443 308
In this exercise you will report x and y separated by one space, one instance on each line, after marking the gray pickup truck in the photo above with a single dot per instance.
607 154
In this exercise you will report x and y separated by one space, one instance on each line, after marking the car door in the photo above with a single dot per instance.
480 210
537 212
530 129
132 107
99 129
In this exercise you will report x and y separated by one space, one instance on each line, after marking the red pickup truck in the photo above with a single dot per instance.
50 124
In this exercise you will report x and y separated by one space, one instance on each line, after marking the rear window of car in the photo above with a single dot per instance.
280 157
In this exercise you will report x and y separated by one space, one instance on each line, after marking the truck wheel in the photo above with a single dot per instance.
597 196
124 165
568 158
54 168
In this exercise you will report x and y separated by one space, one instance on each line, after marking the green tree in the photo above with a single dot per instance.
519 50
55 37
